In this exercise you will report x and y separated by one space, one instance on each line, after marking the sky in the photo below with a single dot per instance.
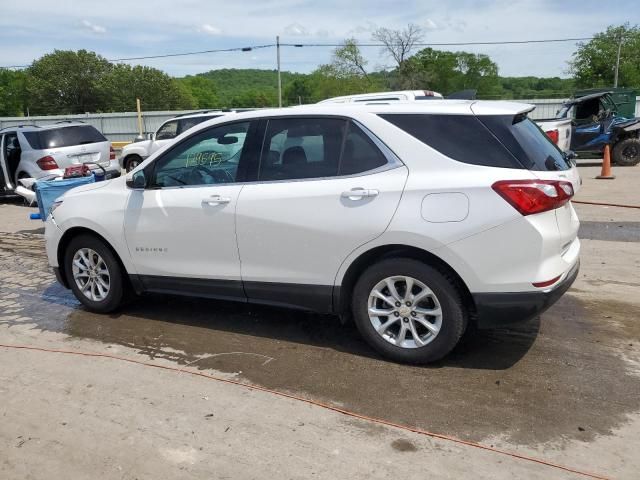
125 28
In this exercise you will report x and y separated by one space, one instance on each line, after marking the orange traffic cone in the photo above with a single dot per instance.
605 173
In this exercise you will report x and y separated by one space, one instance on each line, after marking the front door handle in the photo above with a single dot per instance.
215 200
359 193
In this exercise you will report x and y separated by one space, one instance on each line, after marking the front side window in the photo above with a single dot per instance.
187 123
297 148
209 157
168 131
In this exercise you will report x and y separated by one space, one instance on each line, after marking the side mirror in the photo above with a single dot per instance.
151 136
137 180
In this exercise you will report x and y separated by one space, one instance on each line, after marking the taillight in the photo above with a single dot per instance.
554 135
534 196
47 163
112 153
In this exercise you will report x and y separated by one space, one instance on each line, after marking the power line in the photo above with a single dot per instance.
445 44
302 45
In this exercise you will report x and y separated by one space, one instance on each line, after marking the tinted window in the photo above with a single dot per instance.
526 141
64 137
207 158
461 137
186 123
168 131
301 148
360 154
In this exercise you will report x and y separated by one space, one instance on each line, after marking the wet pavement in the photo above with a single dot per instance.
571 375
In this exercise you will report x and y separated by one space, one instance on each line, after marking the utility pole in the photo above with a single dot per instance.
280 79
615 78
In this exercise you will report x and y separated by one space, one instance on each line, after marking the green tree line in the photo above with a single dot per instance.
67 82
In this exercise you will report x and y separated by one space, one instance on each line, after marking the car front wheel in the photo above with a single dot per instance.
408 311
94 274
132 162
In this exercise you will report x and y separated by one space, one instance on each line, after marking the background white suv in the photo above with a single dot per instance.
135 153
379 212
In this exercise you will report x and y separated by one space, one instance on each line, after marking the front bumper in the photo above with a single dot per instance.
498 309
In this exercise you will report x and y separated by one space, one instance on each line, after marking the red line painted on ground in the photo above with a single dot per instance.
606 204
318 404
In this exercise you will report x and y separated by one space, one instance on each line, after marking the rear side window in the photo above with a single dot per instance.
460 137
504 141
527 142
297 148
64 137
360 154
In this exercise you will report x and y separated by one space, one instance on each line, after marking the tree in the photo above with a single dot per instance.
348 60
298 91
155 89
12 93
202 89
66 82
399 43
593 64
447 72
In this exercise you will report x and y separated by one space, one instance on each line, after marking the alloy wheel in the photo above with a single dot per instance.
405 312
91 274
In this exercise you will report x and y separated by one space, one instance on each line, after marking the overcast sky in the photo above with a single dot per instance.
119 28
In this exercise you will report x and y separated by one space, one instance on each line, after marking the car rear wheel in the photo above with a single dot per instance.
94 274
132 162
408 311
626 153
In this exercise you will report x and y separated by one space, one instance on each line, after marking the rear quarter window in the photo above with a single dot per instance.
460 137
64 137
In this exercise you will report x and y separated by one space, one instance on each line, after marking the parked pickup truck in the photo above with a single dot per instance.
134 153
558 130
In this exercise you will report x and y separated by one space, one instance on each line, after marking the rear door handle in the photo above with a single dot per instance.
359 193
215 200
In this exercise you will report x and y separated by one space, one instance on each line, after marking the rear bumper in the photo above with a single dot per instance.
498 309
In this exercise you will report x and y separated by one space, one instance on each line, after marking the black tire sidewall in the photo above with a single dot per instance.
454 318
619 147
115 296
132 158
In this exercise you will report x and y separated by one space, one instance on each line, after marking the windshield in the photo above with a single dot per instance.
64 137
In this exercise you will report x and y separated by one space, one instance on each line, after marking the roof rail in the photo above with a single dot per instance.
69 121
198 112
19 126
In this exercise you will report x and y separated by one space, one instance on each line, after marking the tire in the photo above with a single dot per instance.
451 323
131 162
114 294
626 153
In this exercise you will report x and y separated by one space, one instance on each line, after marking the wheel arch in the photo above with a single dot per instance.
72 233
342 294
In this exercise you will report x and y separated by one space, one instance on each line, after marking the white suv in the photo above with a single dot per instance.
376 212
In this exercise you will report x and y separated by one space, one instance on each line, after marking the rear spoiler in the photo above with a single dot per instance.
463 95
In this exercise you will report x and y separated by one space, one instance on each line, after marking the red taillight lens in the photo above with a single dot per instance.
112 153
534 196
554 135
47 163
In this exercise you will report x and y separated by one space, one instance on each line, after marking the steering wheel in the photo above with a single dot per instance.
219 175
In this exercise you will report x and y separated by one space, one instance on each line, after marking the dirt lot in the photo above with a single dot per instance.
564 388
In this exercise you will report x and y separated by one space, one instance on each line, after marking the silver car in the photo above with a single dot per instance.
30 151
